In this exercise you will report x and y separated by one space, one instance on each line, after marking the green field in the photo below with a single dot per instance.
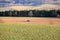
29 32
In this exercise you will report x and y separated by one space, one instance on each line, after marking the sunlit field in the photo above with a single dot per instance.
29 32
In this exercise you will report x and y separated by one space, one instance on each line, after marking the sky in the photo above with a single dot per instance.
27 2
24 2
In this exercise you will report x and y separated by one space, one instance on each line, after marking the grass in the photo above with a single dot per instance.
29 32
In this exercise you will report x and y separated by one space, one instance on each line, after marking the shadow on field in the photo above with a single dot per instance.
51 22
1 21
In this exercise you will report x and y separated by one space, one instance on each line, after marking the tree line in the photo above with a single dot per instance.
31 13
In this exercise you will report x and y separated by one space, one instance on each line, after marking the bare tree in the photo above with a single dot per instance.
30 13
58 15
16 13
10 13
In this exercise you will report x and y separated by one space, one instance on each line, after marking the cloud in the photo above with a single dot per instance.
29 2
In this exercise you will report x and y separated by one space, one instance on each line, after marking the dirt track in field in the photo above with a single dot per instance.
23 20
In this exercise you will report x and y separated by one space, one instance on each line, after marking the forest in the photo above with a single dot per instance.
30 13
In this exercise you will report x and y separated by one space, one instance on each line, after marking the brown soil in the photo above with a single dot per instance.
29 20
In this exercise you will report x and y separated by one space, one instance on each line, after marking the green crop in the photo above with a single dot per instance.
29 32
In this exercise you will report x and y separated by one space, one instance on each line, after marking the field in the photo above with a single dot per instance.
33 20
37 29
29 32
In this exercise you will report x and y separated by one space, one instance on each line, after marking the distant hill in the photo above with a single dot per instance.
21 7
46 7
5 9
40 7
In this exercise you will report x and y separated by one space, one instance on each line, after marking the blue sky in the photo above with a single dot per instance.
26 2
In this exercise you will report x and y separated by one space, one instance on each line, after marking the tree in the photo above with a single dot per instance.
58 15
10 13
15 13
30 13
